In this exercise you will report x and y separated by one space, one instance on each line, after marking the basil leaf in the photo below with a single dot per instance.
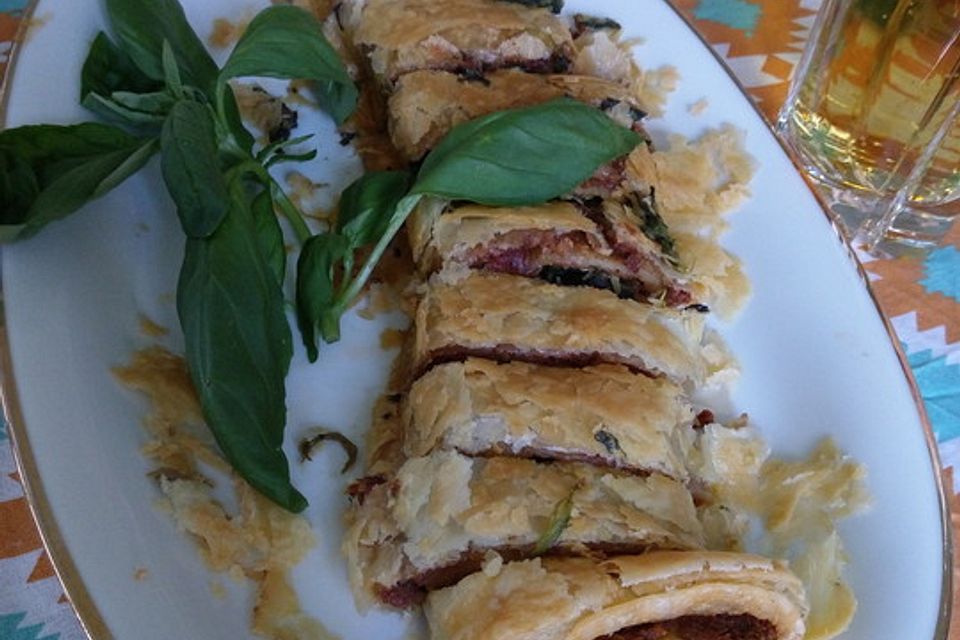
523 156
51 171
652 223
111 110
287 42
367 205
270 235
141 26
158 103
108 70
191 169
238 348
559 521
234 122
316 289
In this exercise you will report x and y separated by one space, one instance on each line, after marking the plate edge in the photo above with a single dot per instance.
945 608
82 605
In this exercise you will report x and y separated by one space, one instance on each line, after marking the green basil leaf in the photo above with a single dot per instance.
287 42
238 348
19 188
108 69
191 169
559 521
112 110
51 171
523 156
367 205
281 158
270 234
142 110
317 291
652 223
234 122
42 144
171 71
158 103
141 26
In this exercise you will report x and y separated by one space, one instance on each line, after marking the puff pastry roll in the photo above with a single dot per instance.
601 415
605 244
434 521
399 36
425 105
510 318
660 595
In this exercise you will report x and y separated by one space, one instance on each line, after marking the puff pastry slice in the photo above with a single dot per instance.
400 36
425 105
435 520
603 415
697 595
599 243
510 318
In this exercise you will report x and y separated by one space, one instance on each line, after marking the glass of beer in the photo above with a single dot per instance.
873 115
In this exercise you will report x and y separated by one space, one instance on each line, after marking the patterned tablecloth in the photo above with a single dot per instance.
761 41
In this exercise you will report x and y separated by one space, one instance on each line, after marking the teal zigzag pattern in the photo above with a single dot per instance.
940 387
10 629
942 272
736 14
12 6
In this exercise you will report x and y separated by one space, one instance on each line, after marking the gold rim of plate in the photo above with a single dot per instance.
74 588
945 608
76 591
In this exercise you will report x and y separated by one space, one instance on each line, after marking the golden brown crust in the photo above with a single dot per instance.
440 507
406 35
580 599
425 105
515 318
603 414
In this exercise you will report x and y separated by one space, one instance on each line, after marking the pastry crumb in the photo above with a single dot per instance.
150 328
256 542
699 107
140 574
226 32
218 590
392 338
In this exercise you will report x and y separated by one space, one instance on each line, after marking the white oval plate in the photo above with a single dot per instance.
817 360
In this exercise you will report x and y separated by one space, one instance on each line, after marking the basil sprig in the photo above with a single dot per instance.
155 78
515 157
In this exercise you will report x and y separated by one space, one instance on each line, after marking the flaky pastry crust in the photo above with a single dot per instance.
605 415
581 599
441 509
407 35
509 317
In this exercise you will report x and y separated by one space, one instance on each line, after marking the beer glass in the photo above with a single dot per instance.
873 115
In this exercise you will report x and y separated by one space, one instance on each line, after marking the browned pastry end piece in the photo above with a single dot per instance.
696 595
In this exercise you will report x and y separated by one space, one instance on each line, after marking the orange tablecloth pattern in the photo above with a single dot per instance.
761 41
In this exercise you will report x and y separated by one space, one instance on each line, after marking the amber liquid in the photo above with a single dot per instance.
880 81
